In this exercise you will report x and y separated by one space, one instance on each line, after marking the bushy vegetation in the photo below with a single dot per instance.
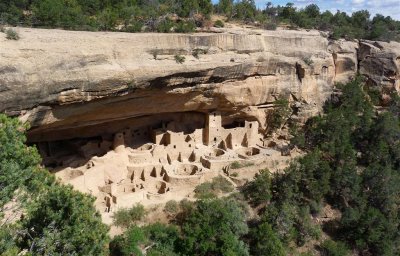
280 114
185 15
259 190
238 165
56 219
196 52
126 217
360 24
171 207
179 59
332 248
209 227
219 24
128 15
11 34
214 188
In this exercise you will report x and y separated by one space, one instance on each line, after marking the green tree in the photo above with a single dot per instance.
128 243
369 230
126 217
245 10
265 241
63 221
332 248
164 239
360 23
215 228
288 12
18 163
56 219
305 180
107 19
312 10
226 7
58 13
258 191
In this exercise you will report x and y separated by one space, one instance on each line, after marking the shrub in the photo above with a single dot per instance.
155 53
211 189
128 243
235 174
180 59
185 27
270 26
308 61
134 26
235 165
238 165
165 26
259 190
332 248
11 34
196 52
215 227
163 238
265 241
126 217
204 190
171 207
280 114
219 24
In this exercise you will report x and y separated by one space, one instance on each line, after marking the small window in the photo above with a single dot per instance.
215 114
215 139
190 145
251 125
174 146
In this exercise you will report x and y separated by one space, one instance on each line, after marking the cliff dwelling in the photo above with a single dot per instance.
155 163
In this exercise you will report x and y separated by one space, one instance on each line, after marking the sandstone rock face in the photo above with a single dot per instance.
380 63
71 84
345 57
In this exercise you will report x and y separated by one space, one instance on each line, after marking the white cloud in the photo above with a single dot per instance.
357 2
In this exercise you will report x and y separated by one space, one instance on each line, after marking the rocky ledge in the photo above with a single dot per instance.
70 84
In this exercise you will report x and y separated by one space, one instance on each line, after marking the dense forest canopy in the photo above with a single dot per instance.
186 15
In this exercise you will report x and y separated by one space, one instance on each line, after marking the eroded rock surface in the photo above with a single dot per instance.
70 84
380 63
73 84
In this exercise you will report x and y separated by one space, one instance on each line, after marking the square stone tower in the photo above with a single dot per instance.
252 133
213 130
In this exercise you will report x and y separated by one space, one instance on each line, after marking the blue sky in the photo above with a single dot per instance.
385 7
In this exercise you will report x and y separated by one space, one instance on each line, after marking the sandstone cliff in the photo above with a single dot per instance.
80 84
